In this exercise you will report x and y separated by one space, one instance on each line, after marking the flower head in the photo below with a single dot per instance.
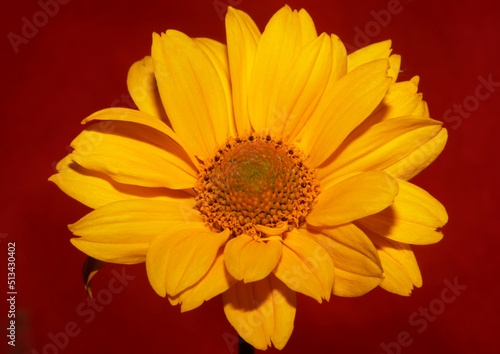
272 165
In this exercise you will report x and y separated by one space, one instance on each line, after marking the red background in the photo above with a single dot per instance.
77 64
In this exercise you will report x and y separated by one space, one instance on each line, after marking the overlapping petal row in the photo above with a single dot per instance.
364 133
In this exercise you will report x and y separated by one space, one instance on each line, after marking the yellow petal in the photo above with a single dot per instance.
401 271
350 249
372 52
134 116
134 154
181 256
121 232
418 160
191 91
322 102
349 284
120 253
422 110
141 84
242 39
278 48
357 265
351 100
353 198
215 282
379 147
395 65
400 100
305 266
96 189
250 259
302 88
217 53
262 312
415 217
134 220
307 27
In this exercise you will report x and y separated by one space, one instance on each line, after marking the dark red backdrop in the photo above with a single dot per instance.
75 62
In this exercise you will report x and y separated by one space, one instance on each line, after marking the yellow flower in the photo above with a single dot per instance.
272 165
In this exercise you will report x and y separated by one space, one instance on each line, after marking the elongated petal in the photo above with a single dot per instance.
354 256
322 102
418 160
121 232
372 52
215 282
305 266
141 84
350 249
250 259
191 91
262 312
217 53
134 154
130 221
134 116
352 100
182 256
243 37
278 48
303 87
120 253
96 189
401 271
348 284
379 147
354 198
415 217
307 27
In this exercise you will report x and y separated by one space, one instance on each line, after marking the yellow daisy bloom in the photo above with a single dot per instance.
271 165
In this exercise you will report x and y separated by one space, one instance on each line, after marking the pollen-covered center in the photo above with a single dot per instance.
255 181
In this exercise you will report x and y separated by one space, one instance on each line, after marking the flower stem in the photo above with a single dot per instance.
244 347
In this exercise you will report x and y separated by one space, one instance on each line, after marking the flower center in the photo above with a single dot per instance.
254 185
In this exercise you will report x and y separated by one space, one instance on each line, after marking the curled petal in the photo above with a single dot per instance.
357 264
305 266
415 217
141 84
182 256
251 259
262 312
215 282
401 271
